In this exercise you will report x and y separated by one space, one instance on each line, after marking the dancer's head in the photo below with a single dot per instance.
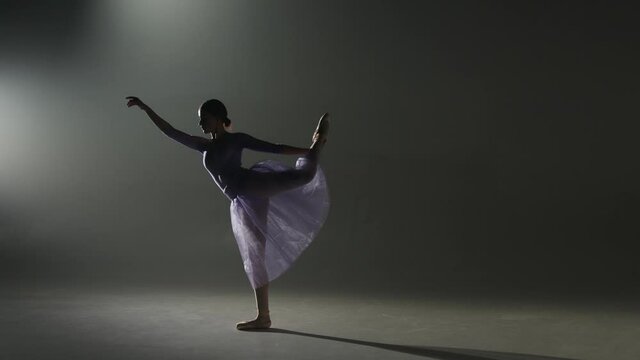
213 116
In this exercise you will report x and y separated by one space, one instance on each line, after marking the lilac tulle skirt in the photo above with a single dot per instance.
273 231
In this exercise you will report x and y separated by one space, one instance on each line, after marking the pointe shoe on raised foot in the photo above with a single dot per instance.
255 324
322 129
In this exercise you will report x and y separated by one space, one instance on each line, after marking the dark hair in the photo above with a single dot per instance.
215 107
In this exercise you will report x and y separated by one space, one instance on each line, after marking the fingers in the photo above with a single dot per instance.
133 100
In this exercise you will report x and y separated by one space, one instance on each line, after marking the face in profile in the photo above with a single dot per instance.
207 122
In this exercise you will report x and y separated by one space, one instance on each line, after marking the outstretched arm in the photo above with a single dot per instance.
252 143
292 150
193 142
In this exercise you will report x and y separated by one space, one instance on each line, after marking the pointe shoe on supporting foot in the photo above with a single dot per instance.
255 324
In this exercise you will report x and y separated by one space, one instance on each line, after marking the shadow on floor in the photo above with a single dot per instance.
442 353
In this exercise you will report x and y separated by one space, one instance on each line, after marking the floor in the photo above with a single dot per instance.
172 324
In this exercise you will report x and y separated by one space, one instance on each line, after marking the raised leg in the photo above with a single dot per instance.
319 136
265 184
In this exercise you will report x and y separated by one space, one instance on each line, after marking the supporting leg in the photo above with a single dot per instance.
262 301
263 320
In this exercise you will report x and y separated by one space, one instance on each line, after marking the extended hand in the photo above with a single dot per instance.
134 101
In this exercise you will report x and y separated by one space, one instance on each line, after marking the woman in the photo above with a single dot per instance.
276 210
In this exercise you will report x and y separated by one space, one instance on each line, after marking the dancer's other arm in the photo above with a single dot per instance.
193 142
264 146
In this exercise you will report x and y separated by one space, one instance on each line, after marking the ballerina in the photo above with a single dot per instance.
276 211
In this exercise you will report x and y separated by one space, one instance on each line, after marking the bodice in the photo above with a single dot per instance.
223 159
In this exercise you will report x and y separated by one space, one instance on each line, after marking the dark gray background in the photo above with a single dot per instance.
475 146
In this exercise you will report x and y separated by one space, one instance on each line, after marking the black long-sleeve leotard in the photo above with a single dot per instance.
223 159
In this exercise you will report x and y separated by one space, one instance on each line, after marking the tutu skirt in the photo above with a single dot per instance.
273 231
